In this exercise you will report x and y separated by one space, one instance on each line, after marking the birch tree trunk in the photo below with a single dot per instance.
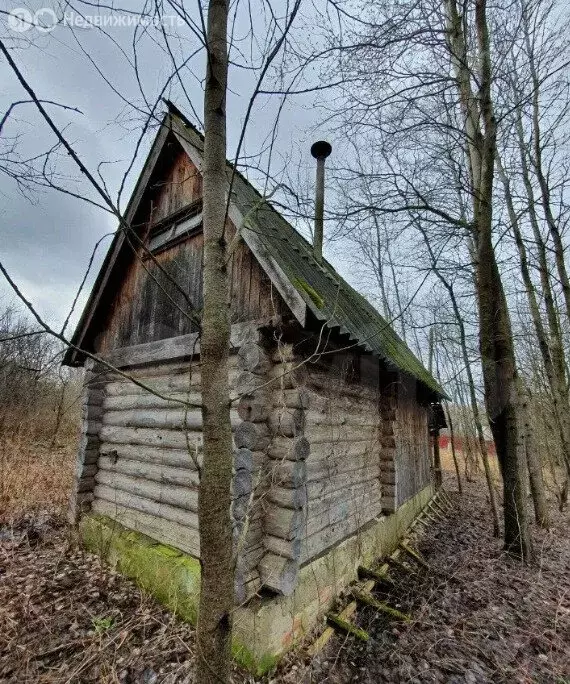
214 502
554 362
538 164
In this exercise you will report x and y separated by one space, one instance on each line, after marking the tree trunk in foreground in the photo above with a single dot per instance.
214 502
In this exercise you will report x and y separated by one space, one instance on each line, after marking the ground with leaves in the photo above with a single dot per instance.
65 618
477 616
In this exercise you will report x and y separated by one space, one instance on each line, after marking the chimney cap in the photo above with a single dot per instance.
321 149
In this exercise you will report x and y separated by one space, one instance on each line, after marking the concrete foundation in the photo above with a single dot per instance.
265 627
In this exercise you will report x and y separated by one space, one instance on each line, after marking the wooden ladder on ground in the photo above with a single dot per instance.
360 594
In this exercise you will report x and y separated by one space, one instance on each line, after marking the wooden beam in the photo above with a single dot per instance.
173 348
348 628
381 575
364 590
441 507
369 600
414 554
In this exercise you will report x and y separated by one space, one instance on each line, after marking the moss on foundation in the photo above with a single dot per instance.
169 574
265 628
257 665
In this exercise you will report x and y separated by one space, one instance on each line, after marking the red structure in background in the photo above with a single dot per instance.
445 443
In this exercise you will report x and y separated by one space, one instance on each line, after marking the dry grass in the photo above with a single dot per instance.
552 477
35 477
38 443
447 464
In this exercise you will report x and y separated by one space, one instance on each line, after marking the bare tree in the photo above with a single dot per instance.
217 40
424 98
216 552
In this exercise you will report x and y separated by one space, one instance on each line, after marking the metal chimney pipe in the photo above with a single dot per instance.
320 151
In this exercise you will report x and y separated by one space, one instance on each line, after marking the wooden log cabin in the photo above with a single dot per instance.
329 409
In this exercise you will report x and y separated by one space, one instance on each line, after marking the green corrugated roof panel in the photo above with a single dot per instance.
326 293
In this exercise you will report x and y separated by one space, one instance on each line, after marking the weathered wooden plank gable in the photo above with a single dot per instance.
180 184
152 298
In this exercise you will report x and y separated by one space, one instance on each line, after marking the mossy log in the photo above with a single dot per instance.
426 515
369 600
347 627
381 575
414 554
178 533
418 521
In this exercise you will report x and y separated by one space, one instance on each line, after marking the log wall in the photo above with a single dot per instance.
412 444
89 443
344 490
150 450
251 437
318 455
140 455
344 450
324 466
388 464
285 496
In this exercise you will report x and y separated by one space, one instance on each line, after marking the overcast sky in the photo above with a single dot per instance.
47 237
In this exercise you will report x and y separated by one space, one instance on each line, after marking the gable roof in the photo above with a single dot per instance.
287 257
